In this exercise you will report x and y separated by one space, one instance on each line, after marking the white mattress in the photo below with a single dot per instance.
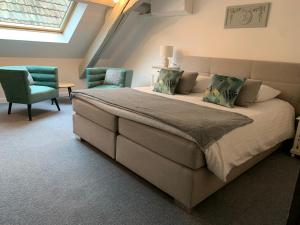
273 122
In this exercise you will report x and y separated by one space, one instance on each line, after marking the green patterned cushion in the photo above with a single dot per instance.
167 81
224 90
114 77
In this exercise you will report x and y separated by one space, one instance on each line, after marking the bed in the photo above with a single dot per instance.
175 164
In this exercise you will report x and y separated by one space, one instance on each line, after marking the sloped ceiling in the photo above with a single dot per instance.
84 34
121 46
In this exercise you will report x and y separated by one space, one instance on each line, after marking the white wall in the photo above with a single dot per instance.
203 34
67 69
88 27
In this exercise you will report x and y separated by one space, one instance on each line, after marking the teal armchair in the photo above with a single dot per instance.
29 85
105 77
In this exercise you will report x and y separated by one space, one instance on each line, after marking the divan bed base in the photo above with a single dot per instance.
94 134
187 186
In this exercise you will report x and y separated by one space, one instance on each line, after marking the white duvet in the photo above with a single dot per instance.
273 122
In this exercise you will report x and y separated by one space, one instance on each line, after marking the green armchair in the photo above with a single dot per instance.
29 85
105 77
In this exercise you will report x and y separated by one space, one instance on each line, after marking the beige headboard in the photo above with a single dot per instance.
282 76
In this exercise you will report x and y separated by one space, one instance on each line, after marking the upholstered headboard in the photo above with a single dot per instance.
282 76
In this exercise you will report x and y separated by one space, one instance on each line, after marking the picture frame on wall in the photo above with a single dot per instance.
247 16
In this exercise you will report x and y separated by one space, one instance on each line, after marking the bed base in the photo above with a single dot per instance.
187 186
94 134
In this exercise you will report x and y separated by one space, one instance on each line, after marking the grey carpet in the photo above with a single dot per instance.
49 177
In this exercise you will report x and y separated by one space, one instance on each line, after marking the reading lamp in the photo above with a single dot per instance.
166 51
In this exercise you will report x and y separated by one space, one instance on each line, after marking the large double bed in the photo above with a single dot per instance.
172 161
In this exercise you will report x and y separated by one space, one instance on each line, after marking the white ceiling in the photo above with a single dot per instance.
88 27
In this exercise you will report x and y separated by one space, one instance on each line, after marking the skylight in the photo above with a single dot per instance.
49 15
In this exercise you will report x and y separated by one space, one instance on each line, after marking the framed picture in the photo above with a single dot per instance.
247 16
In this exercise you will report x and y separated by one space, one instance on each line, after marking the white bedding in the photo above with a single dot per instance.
273 122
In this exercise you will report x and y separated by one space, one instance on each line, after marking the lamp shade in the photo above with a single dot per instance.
166 51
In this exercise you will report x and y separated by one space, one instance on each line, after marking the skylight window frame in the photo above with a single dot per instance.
61 29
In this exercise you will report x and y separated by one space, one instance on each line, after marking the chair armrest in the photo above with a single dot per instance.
128 78
44 75
95 76
14 81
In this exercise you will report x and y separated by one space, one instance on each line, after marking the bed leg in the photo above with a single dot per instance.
183 207
79 138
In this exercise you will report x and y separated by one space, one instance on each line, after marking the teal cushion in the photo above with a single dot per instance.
94 84
167 81
97 77
42 69
114 77
43 77
40 93
95 70
106 86
47 84
224 90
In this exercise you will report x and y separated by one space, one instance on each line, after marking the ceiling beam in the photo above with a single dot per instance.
101 2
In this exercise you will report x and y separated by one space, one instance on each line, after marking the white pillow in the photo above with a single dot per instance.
266 93
203 81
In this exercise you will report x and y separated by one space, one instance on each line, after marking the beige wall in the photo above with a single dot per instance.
67 68
202 34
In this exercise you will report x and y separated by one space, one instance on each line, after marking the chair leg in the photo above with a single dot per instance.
9 108
56 103
29 112
70 93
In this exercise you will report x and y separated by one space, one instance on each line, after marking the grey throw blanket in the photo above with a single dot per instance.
205 125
